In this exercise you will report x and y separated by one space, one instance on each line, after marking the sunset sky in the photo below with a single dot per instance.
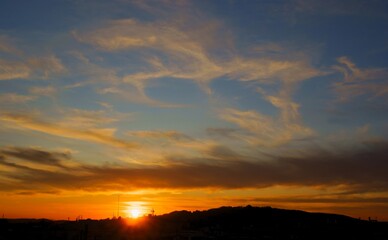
172 105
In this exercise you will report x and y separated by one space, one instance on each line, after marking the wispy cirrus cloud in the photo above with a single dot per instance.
92 69
96 135
43 91
46 67
111 81
169 135
358 81
260 129
14 70
188 57
38 67
222 132
88 119
167 147
346 7
15 98
183 54
137 95
267 130
16 64
7 46
270 70
169 41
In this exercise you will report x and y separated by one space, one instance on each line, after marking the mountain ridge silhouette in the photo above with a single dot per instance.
217 223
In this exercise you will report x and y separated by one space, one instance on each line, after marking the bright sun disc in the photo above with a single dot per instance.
135 213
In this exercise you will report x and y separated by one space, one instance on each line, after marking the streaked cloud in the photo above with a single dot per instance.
88 119
188 56
16 64
169 135
91 70
346 7
36 155
46 67
104 136
178 46
224 132
357 81
7 46
361 170
263 130
13 70
260 129
15 98
167 147
270 70
40 68
201 100
43 91
136 95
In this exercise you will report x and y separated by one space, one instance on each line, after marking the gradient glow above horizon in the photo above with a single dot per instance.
172 105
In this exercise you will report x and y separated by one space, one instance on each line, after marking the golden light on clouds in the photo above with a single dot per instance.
192 105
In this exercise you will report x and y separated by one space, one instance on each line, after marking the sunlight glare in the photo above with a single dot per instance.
135 213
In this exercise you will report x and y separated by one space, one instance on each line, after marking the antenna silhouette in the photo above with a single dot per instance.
118 205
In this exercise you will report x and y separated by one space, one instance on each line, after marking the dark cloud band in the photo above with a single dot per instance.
361 170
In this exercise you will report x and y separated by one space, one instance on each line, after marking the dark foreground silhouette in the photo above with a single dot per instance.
221 223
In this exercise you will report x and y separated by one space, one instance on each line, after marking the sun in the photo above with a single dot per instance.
135 212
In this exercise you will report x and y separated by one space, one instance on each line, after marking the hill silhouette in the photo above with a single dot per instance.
220 223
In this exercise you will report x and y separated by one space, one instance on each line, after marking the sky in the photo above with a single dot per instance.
107 106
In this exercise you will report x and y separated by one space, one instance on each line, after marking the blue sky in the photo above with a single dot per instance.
239 98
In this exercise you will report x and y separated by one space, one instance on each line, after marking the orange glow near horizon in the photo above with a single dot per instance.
140 108
136 209
135 213
134 206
